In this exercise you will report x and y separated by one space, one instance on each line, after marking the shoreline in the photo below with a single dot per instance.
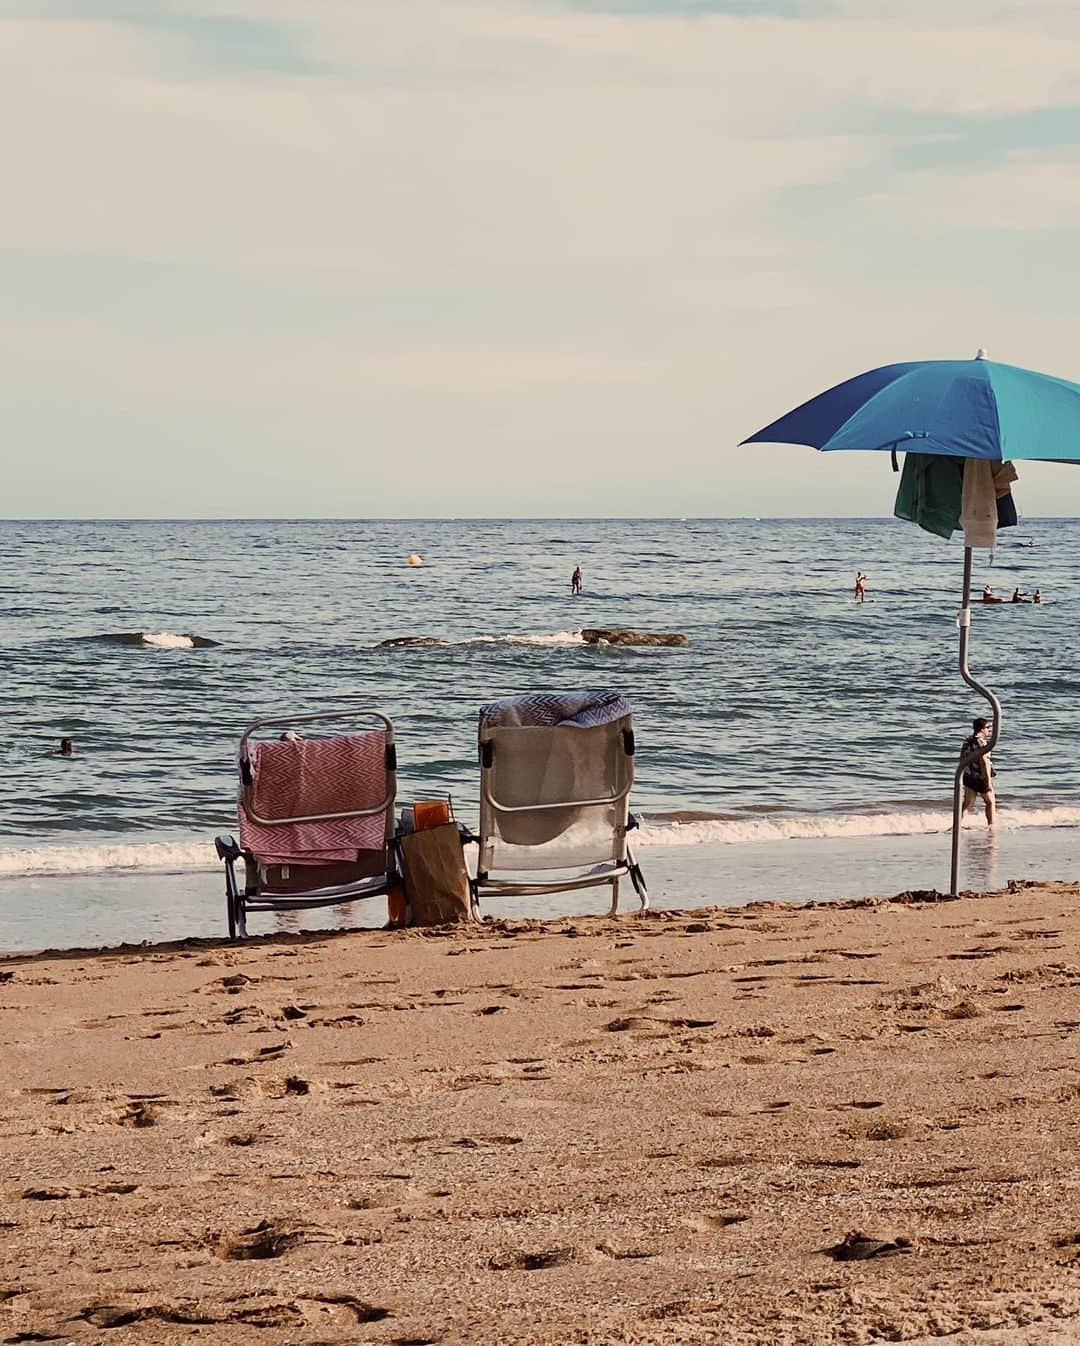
260 940
316 935
91 910
657 1129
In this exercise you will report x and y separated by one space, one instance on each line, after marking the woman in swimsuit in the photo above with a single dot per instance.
979 775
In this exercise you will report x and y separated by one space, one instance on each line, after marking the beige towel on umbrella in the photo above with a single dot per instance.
983 482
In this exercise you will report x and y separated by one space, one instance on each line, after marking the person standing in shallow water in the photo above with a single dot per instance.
978 777
66 748
575 581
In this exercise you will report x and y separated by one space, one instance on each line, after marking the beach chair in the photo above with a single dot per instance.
316 816
556 771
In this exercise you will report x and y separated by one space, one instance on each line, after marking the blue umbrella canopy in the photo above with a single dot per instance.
960 408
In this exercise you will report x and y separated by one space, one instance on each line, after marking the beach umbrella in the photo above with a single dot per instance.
957 409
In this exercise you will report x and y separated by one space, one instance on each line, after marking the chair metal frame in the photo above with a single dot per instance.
239 903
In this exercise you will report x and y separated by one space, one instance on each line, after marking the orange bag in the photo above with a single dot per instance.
430 813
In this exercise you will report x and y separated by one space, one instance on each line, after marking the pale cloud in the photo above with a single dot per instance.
1024 195
380 179
492 232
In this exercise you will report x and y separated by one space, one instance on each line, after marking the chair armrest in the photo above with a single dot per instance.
227 849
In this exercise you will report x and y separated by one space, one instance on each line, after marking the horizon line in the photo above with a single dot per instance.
482 518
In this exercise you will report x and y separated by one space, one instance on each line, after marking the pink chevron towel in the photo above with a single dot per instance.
308 776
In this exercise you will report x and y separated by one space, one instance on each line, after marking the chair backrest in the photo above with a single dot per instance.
554 796
317 800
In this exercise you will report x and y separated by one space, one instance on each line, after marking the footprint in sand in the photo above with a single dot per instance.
359 1310
709 1224
533 1261
653 1023
367 1202
240 1015
52 1096
617 1254
282 1086
482 1142
275 1313
261 1054
133 1113
269 1238
231 985
78 1193
900 1130
338 1021
856 1247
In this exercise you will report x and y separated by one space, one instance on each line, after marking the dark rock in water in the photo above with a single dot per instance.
593 636
395 641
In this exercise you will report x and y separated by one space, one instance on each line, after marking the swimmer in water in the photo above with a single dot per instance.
860 587
66 748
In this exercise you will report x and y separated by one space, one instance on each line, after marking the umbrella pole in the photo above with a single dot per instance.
963 620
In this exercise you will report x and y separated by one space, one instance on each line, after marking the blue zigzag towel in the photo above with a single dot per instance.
547 709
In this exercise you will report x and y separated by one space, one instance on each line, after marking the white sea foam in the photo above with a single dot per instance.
187 856
736 831
547 638
539 638
44 861
167 640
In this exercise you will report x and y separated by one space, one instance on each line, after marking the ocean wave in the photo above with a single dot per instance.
545 638
693 829
731 831
56 861
161 640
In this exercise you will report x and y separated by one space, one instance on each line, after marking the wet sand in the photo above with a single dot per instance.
108 906
775 1124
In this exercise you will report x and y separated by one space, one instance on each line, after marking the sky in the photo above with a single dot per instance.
513 257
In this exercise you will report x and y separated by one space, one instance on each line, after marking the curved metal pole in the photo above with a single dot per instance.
963 620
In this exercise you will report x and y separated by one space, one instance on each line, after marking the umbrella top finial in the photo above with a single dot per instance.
981 354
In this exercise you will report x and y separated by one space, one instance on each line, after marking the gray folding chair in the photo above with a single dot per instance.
316 816
554 802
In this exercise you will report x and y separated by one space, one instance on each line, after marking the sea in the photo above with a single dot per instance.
800 747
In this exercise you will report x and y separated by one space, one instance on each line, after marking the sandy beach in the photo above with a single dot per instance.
848 1123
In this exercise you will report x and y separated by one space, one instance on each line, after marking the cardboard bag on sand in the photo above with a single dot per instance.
436 879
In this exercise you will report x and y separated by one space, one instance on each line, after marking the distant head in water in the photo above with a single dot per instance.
67 748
